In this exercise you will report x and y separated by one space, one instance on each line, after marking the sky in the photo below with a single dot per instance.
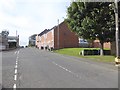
29 17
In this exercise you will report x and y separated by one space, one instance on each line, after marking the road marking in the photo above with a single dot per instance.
66 69
15 66
18 52
16 61
15 52
14 86
60 66
63 68
69 71
15 71
15 77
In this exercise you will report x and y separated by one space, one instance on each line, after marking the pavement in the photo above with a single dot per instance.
33 68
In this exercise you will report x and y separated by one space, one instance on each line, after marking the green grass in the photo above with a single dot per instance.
75 52
102 58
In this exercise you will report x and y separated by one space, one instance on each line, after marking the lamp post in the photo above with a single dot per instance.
117 32
58 35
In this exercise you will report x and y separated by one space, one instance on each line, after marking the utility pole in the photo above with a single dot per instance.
58 35
16 33
117 31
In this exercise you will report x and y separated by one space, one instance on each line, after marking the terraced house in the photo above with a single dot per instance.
57 37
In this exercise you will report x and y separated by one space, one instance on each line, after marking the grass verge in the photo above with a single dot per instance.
75 52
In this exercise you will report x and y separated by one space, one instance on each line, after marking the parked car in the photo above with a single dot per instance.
83 43
21 46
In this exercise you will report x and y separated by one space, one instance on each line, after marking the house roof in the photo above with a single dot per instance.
47 30
12 37
12 41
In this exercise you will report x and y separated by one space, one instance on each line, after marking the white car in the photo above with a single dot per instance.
83 43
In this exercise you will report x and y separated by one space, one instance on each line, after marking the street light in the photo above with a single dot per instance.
58 35
117 32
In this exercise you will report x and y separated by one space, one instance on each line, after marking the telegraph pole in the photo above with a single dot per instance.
58 35
117 31
16 33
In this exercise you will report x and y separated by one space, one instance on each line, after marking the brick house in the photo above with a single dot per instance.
96 44
57 37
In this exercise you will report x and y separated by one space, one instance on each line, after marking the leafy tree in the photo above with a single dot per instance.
5 33
92 20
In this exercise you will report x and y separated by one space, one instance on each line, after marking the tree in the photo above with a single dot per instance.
5 33
92 20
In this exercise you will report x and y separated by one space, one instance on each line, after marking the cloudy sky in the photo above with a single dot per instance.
30 16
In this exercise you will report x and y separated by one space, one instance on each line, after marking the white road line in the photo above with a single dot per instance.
69 71
15 71
18 52
63 68
56 64
15 52
14 86
66 69
60 66
15 77
15 74
16 67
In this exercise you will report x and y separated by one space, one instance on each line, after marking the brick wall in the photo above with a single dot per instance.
42 41
66 37
96 44
50 39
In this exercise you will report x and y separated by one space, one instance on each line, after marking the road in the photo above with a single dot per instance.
33 68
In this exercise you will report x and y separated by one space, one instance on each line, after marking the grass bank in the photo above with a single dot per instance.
75 52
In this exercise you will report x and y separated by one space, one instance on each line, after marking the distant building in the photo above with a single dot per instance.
8 42
13 41
32 40
3 42
96 44
57 37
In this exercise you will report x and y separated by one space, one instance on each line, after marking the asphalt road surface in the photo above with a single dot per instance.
33 68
